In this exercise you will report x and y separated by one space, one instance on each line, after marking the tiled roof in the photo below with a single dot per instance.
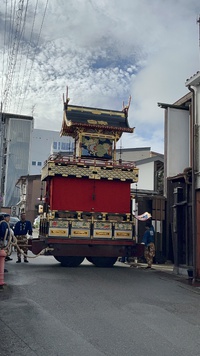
194 79
88 118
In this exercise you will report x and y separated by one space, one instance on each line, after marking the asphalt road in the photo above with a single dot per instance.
48 310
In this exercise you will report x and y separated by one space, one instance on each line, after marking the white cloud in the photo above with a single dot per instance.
104 51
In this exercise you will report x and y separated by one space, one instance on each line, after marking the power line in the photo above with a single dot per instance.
11 30
12 77
27 55
28 81
21 55
14 53
20 60
4 41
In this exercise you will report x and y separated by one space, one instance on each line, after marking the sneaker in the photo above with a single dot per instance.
5 270
26 261
18 261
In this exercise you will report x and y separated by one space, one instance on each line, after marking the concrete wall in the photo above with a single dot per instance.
133 154
146 176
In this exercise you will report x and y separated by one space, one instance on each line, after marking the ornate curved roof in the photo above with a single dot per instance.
80 117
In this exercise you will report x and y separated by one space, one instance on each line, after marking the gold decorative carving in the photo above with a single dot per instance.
95 122
91 172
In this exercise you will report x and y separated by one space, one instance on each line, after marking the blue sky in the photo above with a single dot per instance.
104 51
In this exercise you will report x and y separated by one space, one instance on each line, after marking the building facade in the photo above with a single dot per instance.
193 84
44 143
15 150
24 151
182 182
31 195
148 196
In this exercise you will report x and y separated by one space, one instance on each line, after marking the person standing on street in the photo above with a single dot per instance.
22 228
5 235
149 241
8 236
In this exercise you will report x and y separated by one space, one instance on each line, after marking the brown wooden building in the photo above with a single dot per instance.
31 195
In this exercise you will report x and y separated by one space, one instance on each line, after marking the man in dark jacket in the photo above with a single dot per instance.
22 228
149 241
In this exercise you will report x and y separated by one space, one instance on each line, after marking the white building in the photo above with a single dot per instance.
149 170
23 152
134 154
44 143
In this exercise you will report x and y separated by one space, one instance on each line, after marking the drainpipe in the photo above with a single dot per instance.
193 183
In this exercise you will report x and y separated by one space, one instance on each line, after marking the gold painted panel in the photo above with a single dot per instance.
123 235
58 232
80 171
103 234
80 233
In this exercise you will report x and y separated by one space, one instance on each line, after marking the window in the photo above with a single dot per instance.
39 163
64 146
33 163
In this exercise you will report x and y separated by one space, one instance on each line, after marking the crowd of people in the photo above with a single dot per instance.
17 237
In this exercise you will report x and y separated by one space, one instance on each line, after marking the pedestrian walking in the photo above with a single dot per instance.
149 241
22 229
